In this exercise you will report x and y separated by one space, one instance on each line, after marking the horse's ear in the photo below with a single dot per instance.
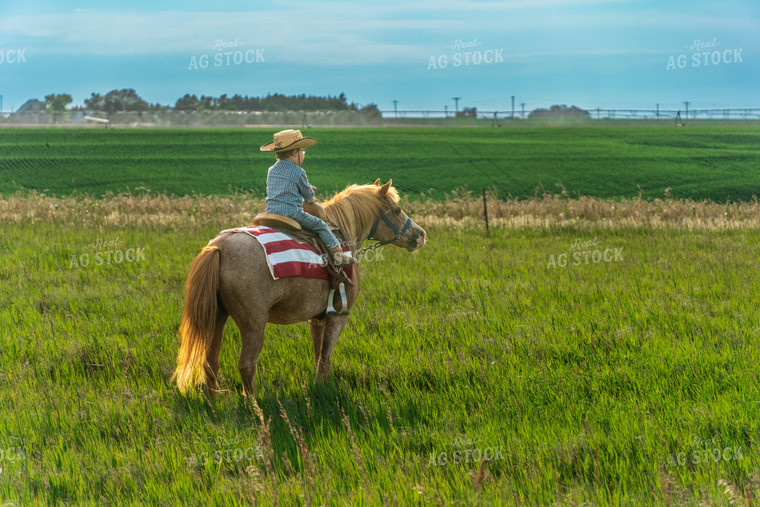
377 182
384 189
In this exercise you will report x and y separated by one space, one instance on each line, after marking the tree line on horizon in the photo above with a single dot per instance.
560 112
128 100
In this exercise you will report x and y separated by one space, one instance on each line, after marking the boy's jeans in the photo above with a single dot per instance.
313 223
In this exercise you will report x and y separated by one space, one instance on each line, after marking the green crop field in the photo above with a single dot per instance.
585 351
695 162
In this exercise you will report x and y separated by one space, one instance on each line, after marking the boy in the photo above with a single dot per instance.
288 188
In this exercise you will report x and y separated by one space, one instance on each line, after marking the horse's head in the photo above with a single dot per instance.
372 212
392 225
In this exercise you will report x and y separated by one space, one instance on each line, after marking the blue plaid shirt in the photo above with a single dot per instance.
287 188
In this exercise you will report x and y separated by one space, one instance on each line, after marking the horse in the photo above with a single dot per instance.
230 278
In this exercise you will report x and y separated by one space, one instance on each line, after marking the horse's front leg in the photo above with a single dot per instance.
317 328
332 328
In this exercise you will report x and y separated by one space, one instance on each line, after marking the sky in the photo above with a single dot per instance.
624 54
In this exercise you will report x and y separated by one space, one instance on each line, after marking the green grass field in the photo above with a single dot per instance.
478 370
695 162
589 351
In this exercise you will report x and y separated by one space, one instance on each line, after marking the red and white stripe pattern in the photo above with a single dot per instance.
288 257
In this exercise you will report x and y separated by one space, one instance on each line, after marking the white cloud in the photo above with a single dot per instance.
324 39
344 33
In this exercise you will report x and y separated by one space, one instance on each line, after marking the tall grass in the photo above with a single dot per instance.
593 382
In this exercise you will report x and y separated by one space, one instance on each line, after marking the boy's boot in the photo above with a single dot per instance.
339 258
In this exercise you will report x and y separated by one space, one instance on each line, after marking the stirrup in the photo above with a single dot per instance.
343 301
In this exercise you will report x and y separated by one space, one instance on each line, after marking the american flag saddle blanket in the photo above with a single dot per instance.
287 256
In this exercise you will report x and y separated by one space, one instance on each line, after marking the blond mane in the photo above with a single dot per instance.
355 209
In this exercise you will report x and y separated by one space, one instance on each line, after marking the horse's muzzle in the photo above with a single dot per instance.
417 238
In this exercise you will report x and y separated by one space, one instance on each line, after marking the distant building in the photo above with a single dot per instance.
560 113
35 111
32 106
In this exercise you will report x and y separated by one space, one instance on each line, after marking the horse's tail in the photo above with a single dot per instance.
198 319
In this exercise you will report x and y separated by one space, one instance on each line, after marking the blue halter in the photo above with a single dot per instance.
393 228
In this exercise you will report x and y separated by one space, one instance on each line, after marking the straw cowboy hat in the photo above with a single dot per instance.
288 140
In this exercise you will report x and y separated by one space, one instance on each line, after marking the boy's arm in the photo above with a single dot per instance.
306 190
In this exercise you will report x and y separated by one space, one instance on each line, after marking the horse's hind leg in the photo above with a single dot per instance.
212 357
333 328
317 328
252 337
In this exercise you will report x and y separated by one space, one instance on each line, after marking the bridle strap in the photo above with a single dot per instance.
396 232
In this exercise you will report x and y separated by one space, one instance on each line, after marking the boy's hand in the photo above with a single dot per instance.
313 188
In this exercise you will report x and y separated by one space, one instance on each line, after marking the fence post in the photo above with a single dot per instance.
485 211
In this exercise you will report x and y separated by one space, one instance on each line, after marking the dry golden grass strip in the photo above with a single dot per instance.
460 211
552 210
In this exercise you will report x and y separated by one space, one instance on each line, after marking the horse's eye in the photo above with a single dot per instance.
398 211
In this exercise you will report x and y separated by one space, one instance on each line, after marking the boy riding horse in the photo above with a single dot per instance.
288 188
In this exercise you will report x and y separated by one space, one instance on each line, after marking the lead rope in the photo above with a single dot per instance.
361 250
368 248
